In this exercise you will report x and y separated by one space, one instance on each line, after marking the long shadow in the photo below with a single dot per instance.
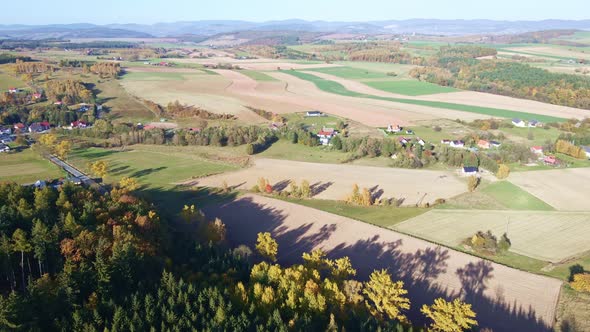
281 185
418 269
147 171
99 154
118 170
319 187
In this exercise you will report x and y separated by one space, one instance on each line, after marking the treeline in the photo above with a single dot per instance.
22 67
177 110
106 69
64 63
9 58
74 260
54 114
457 67
68 91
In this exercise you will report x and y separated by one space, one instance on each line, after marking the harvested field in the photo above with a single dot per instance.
332 181
548 236
554 51
469 98
564 189
505 299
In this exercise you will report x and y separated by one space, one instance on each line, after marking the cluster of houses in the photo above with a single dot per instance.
5 138
326 135
523 124
396 129
547 159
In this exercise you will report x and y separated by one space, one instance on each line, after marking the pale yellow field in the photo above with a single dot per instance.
555 51
411 186
505 299
564 189
548 236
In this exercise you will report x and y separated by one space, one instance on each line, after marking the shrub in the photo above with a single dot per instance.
250 149
575 269
437 128
503 171
504 243
581 282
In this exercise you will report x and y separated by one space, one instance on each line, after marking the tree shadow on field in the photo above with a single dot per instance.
146 172
427 270
319 187
281 185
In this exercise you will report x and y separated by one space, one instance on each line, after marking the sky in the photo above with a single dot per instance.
152 11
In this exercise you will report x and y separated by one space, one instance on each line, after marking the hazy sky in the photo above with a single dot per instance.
152 11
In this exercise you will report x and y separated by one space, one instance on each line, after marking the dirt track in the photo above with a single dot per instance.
504 299
334 182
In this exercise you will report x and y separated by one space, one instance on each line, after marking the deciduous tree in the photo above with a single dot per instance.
446 316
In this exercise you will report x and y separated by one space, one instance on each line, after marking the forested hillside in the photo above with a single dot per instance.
72 260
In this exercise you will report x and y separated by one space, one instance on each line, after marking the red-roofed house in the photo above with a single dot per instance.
19 126
78 124
394 128
58 103
149 127
483 144
551 160
326 135
37 96
537 150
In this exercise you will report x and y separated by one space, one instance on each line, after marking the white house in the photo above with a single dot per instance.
537 150
4 148
420 141
313 113
394 129
326 135
518 123
587 151
457 144
534 124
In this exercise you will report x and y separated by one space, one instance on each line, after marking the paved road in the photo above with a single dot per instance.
87 180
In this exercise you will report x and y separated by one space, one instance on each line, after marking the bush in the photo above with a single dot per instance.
503 172
437 129
504 243
250 149
575 269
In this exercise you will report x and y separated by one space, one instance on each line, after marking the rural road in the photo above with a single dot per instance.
86 180
504 299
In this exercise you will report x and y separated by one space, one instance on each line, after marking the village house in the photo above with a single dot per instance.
537 150
445 141
5 130
149 127
394 129
518 123
403 141
483 144
420 141
194 130
37 96
58 103
551 160
78 124
6 139
469 170
326 135
410 132
495 144
534 124
39 127
4 147
587 151
313 113
13 90
457 144
19 126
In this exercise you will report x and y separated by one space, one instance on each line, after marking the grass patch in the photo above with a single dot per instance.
258 76
155 76
514 198
350 73
7 82
339 89
384 216
410 88
27 167
298 152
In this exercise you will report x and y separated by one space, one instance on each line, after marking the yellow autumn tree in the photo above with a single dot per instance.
386 298
455 316
99 168
503 171
581 282
129 184
63 149
267 246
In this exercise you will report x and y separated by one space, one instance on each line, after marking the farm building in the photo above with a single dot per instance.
483 144
4 148
394 128
314 113
518 123
457 144
470 170
537 150
326 135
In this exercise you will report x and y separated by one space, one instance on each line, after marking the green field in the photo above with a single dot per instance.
350 73
337 88
410 87
7 82
514 198
27 167
299 152
384 216
258 76
152 166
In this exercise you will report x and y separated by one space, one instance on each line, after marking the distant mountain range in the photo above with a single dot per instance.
210 28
